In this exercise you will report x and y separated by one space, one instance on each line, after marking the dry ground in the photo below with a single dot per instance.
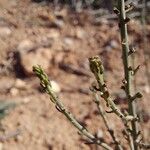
61 42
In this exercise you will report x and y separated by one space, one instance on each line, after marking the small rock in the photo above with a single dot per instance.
26 100
25 45
20 84
80 33
68 41
55 86
147 89
4 31
54 34
84 91
113 44
14 91
108 48
59 23
100 134
104 21
40 56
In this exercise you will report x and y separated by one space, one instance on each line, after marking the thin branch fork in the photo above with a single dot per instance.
98 71
45 83
127 72
102 113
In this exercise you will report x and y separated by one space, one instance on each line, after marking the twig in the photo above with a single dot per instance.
102 113
127 69
98 71
45 83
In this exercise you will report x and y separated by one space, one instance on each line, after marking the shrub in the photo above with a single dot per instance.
129 120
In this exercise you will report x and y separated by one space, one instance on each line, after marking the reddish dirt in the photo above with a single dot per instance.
64 40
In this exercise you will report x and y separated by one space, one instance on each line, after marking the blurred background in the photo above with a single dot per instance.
60 35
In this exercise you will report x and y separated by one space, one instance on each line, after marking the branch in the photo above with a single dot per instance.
127 70
45 83
102 113
98 71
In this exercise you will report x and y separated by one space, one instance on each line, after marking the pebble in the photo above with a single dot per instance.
113 44
26 100
14 91
147 89
68 41
25 45
54 34
100 134
59 23
20 84
5 31
80 33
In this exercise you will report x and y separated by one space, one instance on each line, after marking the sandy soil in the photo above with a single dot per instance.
33 33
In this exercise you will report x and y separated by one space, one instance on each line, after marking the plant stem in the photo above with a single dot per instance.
127 71
45 83
97 69
109 129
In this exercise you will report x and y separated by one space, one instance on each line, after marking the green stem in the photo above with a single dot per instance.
97 69
127 71
102 113
45 83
